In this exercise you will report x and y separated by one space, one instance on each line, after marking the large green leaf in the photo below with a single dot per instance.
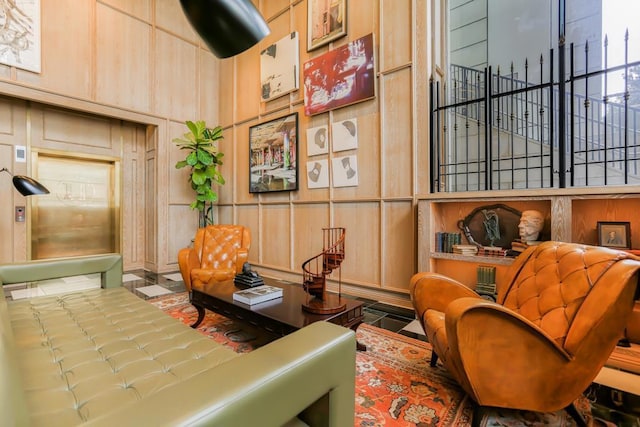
204 157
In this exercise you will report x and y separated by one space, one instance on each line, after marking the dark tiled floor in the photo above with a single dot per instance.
384 316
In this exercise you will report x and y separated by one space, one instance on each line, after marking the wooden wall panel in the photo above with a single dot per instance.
249 216
247 84
175 86
69 131
122 67
397 134
399 245
226 100
273 7
209 70
141 9
308 222
170 17
362 258
67 43
132 202
275 234
180 191
240 174
6 209
182 229
395 46
363 19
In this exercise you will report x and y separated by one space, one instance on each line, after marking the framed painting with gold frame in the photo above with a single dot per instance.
326 21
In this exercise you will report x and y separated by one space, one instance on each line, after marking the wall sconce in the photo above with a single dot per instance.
228 27
25 185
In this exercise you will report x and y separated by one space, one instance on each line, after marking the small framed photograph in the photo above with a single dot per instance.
614 234
326 21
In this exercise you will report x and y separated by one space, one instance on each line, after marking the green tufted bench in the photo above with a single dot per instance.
105 357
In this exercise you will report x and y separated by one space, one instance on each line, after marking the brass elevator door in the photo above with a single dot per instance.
80 215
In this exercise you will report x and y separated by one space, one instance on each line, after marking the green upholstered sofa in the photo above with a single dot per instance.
105 357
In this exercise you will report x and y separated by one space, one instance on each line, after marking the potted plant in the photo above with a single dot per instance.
203 158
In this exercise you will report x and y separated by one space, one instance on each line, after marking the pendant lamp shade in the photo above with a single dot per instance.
228 27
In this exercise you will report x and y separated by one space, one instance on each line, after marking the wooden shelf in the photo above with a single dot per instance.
496 260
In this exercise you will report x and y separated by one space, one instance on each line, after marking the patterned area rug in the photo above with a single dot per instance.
395 386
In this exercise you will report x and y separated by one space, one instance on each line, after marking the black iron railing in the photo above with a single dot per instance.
539 134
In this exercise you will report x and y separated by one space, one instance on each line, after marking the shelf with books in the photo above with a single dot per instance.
571 215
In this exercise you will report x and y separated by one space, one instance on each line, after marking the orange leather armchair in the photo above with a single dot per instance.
561 309
218 253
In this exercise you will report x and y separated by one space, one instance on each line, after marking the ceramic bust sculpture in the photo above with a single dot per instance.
530 226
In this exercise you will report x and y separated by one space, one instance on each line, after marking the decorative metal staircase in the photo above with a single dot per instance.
315 270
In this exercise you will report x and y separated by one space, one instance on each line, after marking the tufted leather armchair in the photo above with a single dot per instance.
560 310
218 253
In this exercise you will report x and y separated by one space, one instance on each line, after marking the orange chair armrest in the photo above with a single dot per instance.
433 291
187 261
500 326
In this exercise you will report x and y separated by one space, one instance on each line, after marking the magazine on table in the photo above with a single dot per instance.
257 295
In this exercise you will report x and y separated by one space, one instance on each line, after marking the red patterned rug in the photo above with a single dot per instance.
395 386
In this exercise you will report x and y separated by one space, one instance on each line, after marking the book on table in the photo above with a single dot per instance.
257 295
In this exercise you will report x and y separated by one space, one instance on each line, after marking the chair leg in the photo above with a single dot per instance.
200 318
577 416
434 359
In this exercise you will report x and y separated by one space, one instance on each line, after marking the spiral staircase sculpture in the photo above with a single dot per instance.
315 270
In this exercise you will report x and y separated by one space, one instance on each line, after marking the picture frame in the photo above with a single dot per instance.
273 151
279 67
343 76
20 44
614 234
326 21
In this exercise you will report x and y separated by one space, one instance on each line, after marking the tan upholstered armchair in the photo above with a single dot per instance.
560 310
218 253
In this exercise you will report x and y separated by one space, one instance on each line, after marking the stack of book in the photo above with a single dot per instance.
492 251
465 249
257 295
486 282
518 246
445 241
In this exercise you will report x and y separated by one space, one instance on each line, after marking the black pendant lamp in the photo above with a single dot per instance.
228 27
25 185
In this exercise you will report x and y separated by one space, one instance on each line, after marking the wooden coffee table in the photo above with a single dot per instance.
280 316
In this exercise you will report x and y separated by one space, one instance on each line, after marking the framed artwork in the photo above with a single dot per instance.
614 234
344 135
345 171
318 173
317 140
340 77
273 151
326 21
20 35
279 67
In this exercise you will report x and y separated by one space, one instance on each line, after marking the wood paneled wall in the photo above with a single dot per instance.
380 213
138 66
140 63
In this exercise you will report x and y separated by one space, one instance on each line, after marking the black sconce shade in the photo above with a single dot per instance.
228 27
28 186
25 185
